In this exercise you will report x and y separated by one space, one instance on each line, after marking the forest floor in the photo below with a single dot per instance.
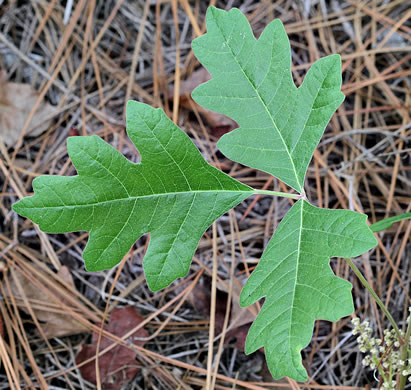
80 62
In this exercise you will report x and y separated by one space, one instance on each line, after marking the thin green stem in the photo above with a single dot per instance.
275 193
404 353
375 296
380 369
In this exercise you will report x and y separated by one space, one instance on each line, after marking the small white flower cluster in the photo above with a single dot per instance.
389 386
383 355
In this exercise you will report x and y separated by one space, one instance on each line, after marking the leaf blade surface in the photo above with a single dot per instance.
280 125
295 277
173 193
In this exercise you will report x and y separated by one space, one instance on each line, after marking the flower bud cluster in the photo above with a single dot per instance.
382 355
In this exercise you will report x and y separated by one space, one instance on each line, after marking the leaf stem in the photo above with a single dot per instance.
375 296
275 193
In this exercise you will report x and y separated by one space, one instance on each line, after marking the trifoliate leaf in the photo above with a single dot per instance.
295 276
173 194
280 124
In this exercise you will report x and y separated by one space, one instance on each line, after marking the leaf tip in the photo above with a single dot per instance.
96 263
277 28
245 298
22 207
301 376
138 110
222 141
373 241
154 287
155 284
369 236
211 9
213 13
18 207
249 348
131 107
336 58
336 63
132 104
76 142
194 93
71 143
90 267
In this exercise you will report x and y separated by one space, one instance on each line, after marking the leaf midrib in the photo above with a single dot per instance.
298 250
296 279
264 105
133 198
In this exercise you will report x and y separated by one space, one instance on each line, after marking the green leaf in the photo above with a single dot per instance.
280 124
387 222
295 276
173 194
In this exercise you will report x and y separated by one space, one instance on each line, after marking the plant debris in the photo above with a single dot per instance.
16 103
118 365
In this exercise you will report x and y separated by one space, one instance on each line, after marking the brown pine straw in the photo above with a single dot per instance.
114 50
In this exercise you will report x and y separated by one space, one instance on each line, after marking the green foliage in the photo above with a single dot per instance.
387 222
280 124
295 275
174 195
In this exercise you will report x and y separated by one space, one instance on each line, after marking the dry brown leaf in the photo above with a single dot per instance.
55 323
240 318
117 366
16 103
239 315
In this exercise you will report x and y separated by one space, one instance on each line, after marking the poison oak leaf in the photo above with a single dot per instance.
295 276
280 124
173 194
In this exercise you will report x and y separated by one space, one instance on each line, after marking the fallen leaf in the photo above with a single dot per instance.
240 318
54 321
73 132
198 77
16 103
219 124
118 366
238 335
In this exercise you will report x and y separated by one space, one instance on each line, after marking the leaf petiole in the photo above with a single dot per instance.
275 193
